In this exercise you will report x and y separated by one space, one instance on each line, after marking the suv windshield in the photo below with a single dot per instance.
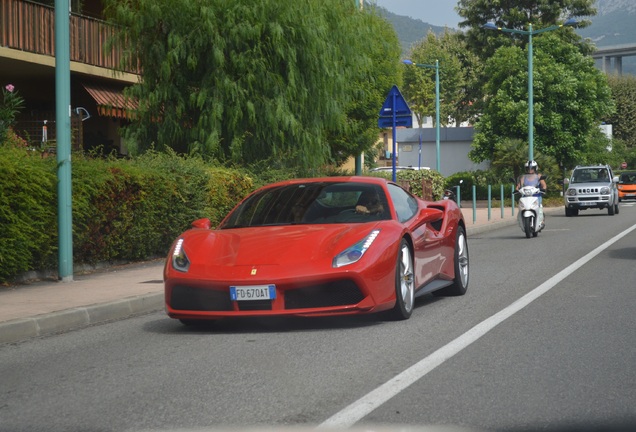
590 175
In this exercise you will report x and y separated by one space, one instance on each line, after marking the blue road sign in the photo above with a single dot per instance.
395 111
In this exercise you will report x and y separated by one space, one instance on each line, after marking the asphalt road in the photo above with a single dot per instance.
545 339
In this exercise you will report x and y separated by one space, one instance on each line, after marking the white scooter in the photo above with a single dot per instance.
530 216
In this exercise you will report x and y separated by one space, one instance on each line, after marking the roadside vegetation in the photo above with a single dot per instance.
240 94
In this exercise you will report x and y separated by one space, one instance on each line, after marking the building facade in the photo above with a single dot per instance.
27 61
417 147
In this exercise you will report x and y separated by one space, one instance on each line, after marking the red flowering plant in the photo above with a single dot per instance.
10 106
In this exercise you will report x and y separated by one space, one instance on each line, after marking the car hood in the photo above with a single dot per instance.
272 245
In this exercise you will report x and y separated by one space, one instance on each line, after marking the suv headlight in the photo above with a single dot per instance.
605 190
571 192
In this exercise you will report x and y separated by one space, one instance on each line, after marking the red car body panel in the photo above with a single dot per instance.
298 260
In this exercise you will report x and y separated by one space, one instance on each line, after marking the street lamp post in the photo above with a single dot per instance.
530 33
436 67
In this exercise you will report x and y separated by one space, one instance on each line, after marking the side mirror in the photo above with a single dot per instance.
566 181
428 215
615 179
203 223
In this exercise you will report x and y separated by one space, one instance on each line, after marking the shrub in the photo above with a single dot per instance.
28 224
415 179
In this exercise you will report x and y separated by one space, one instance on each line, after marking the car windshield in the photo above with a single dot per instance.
628 178
590 175
311 203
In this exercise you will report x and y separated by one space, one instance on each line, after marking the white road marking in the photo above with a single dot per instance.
365 405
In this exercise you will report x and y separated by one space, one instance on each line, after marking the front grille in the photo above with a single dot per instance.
594 190
340 293
198 299
255 305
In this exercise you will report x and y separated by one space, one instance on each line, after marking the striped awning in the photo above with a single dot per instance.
111 101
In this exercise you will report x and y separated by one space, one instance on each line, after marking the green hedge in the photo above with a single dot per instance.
28 208
123 210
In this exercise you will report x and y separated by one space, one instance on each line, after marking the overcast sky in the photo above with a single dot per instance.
436 12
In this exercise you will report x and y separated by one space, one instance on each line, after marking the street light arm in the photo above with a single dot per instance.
571 22
543 30
410 63
493 26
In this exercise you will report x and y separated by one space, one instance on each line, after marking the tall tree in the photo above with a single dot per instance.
375 46
571 97
516 15
624 119
243 81
419 82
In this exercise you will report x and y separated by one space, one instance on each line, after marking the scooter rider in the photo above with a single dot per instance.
532 178
533 181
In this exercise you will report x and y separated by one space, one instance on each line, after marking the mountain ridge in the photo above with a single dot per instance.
613 25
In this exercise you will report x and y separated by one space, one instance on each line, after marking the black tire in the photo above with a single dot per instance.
404 283
527 227
462 267
568 212
610 210
616 209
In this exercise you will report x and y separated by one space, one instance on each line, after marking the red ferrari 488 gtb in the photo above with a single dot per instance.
317 247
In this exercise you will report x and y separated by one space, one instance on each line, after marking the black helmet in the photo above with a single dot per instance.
531 165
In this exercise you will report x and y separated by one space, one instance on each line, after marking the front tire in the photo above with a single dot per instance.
527 226
610 210
404 283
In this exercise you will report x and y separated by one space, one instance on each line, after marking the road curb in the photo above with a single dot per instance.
76 318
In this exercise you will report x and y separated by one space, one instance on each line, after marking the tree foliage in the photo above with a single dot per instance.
368 83
419 81
571 97
243 81
623 120
516 15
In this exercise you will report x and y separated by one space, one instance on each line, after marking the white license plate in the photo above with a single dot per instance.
253 292
630 195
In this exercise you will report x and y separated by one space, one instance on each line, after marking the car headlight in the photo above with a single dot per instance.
571 192
353 253
180 261
605 190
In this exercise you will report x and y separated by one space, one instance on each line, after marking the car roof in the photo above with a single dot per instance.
591 166
335 179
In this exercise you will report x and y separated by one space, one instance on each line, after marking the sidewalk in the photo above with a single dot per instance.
48 307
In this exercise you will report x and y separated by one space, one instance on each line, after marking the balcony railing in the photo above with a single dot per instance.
29 26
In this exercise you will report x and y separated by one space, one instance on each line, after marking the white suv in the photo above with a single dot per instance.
591 186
